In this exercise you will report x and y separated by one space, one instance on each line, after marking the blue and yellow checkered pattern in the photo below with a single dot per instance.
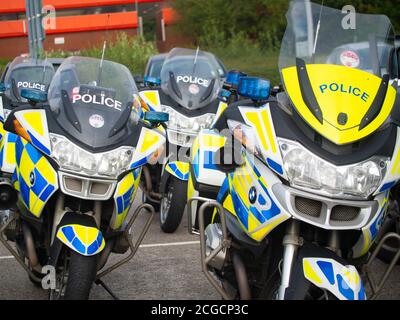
343 281
37 180
7 152
124 195
178 169
85 240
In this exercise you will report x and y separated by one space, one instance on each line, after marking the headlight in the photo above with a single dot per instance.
245 135
179 122
305 170
72 158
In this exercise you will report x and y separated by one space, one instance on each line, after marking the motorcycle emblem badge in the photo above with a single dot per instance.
253 195
32 178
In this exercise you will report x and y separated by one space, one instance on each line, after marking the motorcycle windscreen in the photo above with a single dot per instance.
92 100
191 78
26 73
336 76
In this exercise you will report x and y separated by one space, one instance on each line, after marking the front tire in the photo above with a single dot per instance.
173 205
76 278
82 273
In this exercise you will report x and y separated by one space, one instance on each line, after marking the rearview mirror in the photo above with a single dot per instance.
254 88
138 78
155 117
34 96
228 158
3 87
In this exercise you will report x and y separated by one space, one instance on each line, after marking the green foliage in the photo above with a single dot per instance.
212 22
243 54
133 52
246 35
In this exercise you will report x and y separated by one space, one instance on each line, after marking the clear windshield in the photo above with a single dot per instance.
27 74
322 35
190 77
89 97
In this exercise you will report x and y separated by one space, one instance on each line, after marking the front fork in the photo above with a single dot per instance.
291 242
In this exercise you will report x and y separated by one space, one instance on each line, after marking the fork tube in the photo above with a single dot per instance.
291 243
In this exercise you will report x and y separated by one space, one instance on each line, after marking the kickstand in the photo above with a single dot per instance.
100 282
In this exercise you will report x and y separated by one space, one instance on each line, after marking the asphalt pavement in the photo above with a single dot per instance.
166 266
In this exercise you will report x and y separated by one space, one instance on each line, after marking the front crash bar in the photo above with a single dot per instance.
377 288
133 247
225 244
15 253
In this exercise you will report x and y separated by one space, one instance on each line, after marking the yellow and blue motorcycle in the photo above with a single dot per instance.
79 159
188 91
20 74
305 178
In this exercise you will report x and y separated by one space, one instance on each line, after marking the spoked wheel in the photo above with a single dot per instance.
173 205
74 280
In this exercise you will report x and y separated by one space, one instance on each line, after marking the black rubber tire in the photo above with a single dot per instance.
81 275
177 207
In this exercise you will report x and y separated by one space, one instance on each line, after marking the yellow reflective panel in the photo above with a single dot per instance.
34 119
152 97
213 140
150 139
339 89
310 273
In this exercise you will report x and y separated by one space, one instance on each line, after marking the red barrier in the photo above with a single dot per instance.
19 5
170 16
104 21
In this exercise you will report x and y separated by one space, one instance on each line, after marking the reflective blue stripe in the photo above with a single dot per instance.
38 144
344 288
68 232
33 153
274 166
327 269
387 186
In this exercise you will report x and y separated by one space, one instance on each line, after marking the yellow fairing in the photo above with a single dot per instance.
124 195
152 99
339 90
85 240
37 180
7 152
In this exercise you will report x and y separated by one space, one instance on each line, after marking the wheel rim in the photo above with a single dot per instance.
61 282
165 206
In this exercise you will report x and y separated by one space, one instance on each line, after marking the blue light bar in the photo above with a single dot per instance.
34 95
156 117
152 81
233 77
254 88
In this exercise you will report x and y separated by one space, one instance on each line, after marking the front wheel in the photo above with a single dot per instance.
76 277
173 205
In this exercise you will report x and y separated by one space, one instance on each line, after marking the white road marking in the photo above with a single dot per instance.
6 257
169 244
150 245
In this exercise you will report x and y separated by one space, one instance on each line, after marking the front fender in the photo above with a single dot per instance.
324 269
178 169
80 236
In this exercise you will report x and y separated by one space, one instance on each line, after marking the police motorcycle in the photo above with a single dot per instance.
79 159
305 178
188 92
21 73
